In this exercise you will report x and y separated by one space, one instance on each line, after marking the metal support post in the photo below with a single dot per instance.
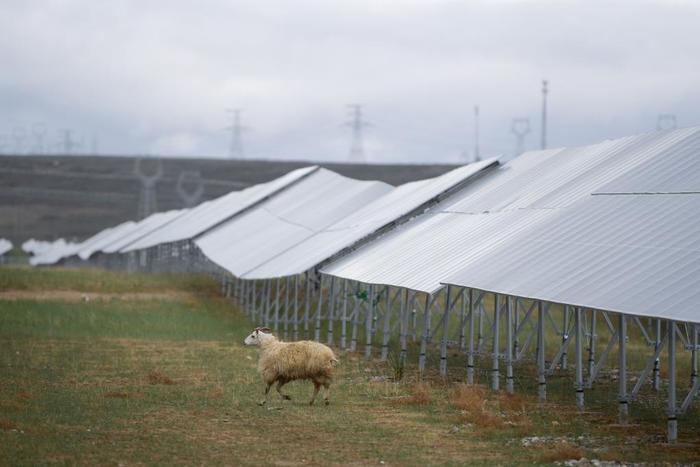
565 338
509 345
470 345
307 306
495 371
276 322
622 380
286 307
368 323
445 331
331 311
591 343
656 379
387 326
319 311
578 330
672 422
424 337
344 316
403 337
355 318
541 369
268 286
693 354
295 323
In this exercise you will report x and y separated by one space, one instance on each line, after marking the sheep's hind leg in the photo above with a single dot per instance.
267 390
317 386
326 390
281 383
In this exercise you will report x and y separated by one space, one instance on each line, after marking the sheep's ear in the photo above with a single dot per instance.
266 330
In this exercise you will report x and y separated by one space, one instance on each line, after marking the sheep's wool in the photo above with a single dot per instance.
295 360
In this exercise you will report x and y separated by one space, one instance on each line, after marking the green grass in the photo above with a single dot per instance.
153 380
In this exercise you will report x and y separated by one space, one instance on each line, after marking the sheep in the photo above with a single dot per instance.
282 362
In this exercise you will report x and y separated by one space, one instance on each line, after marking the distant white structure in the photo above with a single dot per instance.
5 247
148 203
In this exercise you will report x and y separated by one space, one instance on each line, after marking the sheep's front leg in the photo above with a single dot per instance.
281 383
317 386
267 390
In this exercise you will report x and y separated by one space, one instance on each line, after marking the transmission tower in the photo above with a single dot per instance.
236 148
38 134
357 124
520 127
544 113
68 144
147 196
666 122
190 196
19 133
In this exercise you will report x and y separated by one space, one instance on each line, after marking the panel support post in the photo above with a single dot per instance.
295 322
424 337
579 358
266 311
622 380
672 422
253 303
495 371
564 362
386 332
286 307
470 342
509 345
355 318
693 354
541 368
445 332
656 379
344 316
307 306
276 322
331 311
403 330
591 344
369 321
319 311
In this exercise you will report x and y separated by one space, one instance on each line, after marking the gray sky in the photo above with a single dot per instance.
156 76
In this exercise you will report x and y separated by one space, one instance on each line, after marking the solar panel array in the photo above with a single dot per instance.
611 226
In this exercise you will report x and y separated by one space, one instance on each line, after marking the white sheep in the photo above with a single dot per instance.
282 362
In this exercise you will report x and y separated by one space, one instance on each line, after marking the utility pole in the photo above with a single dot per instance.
477 157
236 148
666 122
544 113
357 123
19 133
520 127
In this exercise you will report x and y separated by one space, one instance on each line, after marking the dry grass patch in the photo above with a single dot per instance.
7 425
421 394
472 401
158 377
560 451
117 395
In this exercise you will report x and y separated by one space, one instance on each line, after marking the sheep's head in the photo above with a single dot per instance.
257 336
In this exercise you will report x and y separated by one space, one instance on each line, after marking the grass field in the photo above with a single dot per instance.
107 368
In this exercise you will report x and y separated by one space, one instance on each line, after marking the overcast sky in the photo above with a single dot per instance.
156 76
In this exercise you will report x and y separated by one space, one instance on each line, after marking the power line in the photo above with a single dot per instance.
357 124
